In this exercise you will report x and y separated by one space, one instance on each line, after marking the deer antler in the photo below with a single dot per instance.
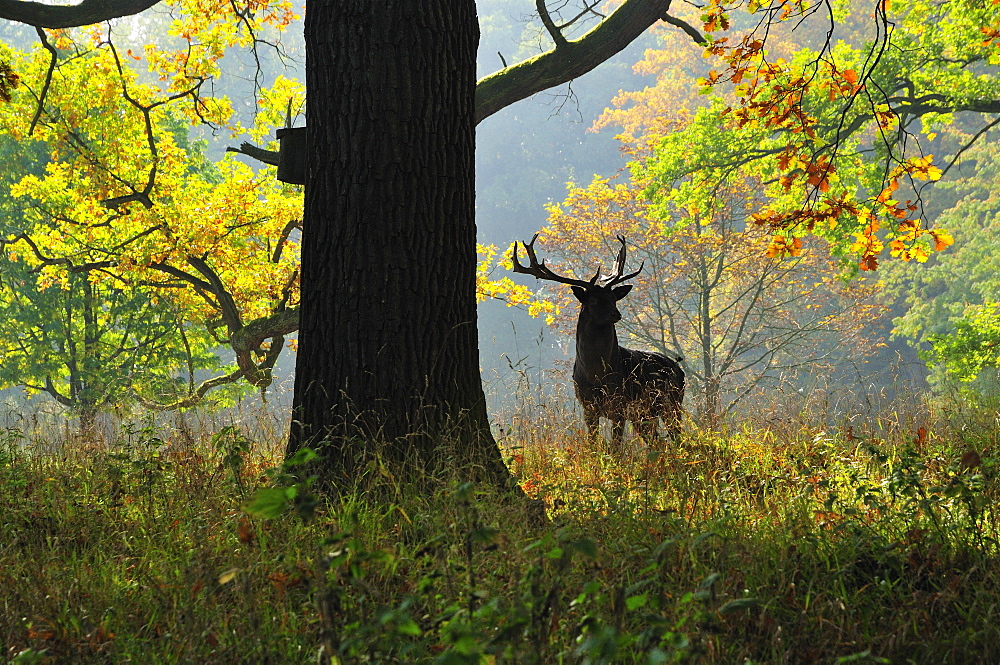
620 267
542 271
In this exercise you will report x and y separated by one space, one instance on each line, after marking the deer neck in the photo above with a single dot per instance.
597 350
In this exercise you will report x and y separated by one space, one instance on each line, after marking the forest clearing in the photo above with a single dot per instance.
304 357
779 542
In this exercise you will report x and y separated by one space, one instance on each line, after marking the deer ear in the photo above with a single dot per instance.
620 292
580 293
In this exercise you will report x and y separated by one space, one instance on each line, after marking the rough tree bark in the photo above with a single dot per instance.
388 349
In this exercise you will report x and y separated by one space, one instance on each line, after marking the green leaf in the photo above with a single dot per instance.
267 503
635 602
302 456
738 604
710 581
486 535
464 492
409 627
586 547
29 657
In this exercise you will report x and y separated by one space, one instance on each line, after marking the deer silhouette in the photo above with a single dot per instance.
611 381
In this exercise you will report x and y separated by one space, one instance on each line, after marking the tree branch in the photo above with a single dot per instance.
253 334
250 337
543 13
54 57
260 154
195 396
686 27
50 388
87 12
227 304
568 60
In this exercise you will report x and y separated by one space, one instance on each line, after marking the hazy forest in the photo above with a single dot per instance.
296 400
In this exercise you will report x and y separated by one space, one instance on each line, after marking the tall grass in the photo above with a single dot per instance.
783 539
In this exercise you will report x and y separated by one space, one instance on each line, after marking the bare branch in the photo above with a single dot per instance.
543 13
686 27
260 154
969 144
588 9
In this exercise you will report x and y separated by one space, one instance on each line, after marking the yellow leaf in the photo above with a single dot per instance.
228 576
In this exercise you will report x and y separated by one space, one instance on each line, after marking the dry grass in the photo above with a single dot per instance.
782 540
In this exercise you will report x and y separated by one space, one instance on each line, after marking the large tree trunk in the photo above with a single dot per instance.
388 347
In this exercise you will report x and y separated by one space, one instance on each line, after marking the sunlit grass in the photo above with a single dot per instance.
772 541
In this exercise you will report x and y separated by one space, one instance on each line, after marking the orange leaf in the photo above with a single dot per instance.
970 460
41 633
244 531
942 240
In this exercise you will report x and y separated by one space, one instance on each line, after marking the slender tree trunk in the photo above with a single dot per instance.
91 390
710 381
88 421
388 346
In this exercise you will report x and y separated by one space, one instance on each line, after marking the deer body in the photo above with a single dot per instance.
611 381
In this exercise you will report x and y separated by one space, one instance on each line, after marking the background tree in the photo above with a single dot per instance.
709 292
93 347
87 342
847 134
128 198
946 307
835 130
973 346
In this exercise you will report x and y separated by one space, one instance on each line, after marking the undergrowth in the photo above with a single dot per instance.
757 545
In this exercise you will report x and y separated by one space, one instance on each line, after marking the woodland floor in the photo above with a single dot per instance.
788 542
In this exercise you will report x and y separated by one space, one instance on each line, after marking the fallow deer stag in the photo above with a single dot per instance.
611 381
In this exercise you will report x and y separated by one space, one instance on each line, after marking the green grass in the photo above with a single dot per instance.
764 544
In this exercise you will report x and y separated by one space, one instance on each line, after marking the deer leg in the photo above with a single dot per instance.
647 429
593 422
673 423
618 436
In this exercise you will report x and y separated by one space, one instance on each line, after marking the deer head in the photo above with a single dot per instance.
598 296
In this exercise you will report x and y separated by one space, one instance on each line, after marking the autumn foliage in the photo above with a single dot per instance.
834 109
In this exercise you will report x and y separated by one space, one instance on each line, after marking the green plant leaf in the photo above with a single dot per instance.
635 602
586 547
267 503
302 456
738 604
